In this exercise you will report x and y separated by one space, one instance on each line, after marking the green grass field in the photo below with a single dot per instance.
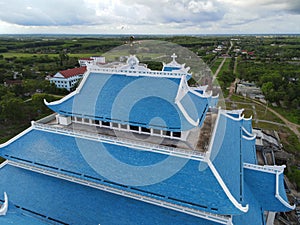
225 66
216 65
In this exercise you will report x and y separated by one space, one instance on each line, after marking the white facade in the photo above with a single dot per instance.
61 82
94 59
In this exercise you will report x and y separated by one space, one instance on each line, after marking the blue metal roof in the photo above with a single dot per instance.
132 100
185 182
72 203
260 182
176 179
255 214
170 68
247 124
226 154
249 151
15 216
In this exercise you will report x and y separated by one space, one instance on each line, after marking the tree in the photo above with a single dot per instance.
268 90
63 57
12 108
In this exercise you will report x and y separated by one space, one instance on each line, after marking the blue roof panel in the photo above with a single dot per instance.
196 106
249 151
260 182
226 154
170 68
131 100
247 124
15 216
255 214
149 171
73 203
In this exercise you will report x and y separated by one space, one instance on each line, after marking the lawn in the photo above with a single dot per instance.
216 65
25 55
225 66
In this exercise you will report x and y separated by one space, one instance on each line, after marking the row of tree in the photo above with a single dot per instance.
280 83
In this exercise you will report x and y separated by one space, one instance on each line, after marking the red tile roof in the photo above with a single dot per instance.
13 82
73 72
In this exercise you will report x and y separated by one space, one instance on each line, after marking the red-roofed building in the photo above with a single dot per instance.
68 78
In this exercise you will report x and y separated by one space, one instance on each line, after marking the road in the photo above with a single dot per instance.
292 126
222 63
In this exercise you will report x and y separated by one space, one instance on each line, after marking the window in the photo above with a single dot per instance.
136 128
86 120
97 122
106 124
124 126
156 131
144 129
79 119
115 125
177 134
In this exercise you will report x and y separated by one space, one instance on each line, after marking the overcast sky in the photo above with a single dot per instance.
149 16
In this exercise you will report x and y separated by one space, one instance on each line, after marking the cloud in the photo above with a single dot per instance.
45 13
150 16
80 12
293 6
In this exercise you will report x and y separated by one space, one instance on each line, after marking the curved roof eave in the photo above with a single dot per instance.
16 137
60 100
277 171
207 158
248 135
238 205
78 89
279 197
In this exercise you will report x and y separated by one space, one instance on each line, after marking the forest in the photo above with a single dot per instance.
275 68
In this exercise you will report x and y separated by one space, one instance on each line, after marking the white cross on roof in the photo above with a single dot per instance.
174 56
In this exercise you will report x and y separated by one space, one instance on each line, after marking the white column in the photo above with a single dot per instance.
271 218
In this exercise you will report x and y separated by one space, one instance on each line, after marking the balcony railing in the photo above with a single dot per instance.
180 152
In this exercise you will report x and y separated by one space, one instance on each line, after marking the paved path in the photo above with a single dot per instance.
293 127
271 122
219 69
222 63
235 65
233 84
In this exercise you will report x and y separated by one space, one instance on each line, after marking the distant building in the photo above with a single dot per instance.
68 78
96 59
250 90
10 83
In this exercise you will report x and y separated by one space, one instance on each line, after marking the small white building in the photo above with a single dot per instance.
68 78
94 59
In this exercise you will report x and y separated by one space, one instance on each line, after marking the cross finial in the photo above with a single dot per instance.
174 56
